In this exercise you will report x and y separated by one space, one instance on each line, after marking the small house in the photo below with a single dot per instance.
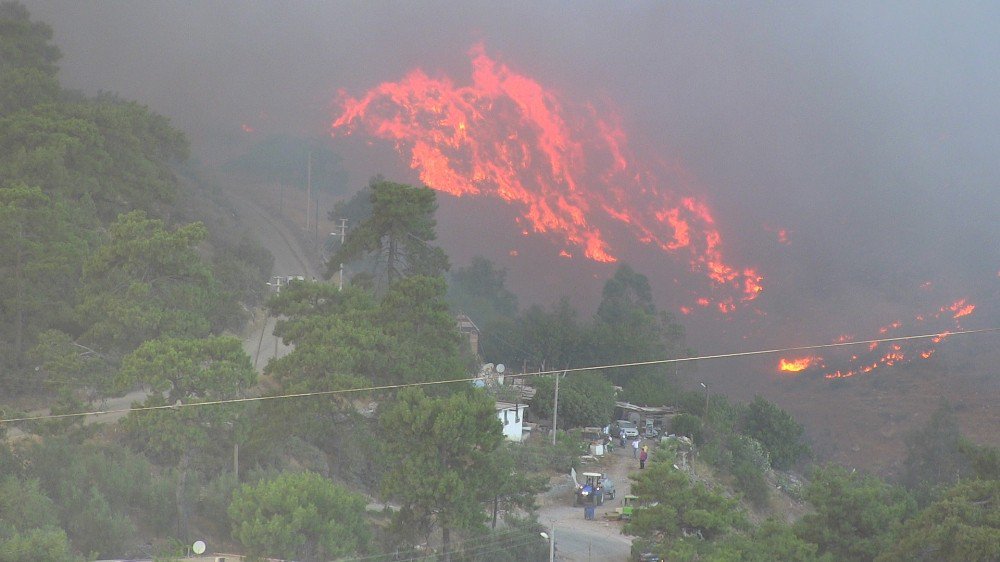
511 415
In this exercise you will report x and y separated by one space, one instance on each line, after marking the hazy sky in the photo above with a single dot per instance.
868 130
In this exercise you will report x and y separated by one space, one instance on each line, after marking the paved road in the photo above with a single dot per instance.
281 238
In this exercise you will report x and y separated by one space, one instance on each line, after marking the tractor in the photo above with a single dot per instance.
624 513
593 489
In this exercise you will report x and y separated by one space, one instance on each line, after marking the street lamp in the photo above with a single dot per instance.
551 537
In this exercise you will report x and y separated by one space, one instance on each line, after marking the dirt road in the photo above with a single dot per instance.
580 540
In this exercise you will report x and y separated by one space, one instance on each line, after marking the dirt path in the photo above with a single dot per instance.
578 539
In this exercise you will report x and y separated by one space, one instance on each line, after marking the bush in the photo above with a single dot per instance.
585 399
781 435
750 480
300 515
690 425
537 455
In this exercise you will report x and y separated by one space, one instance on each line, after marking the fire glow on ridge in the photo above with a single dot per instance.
891 353
567 168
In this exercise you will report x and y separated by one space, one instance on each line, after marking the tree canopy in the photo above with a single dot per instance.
397 235
855 515
585 399
478 290
440 460
780 434
299 515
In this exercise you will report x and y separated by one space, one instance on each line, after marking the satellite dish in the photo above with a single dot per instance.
198 547
501 368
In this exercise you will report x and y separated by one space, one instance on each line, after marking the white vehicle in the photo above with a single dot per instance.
629 428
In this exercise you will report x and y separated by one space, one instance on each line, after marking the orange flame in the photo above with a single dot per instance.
796 365
896 355
567 167
960 308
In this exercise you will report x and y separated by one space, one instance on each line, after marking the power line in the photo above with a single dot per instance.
180 404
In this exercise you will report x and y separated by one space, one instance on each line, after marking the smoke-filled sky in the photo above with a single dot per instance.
868 132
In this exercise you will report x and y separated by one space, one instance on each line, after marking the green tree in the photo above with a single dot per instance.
552 339
441 461
25 506
337 342
855 516
772 540
36 545
299 515
116 154
780 434
676 512
478 291
983 460
25 44
185 371
932 453
628 328
652 389
585 399
27 60
426 343
97 489
689 425
42 242
146 282
66 366
398 233
963 525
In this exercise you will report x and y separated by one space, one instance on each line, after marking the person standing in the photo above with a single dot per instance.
635 448
642 458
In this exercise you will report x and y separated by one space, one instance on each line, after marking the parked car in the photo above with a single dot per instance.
630 429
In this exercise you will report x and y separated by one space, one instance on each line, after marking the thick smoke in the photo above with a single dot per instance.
863 135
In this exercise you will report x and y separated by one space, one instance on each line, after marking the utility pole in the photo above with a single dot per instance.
309 185
555 410
343 236
343 231
552 543
705 386
551 537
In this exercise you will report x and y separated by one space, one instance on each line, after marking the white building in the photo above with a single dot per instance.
511 415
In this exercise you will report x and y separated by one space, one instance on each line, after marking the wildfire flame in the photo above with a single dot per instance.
959 309
567 167
796 365
896 354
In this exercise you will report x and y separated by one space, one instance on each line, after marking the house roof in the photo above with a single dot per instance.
509 405
646 409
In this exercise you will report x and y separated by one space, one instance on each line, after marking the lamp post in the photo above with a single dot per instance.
551 537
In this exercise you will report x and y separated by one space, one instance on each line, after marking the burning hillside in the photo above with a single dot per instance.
568 168
891 353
